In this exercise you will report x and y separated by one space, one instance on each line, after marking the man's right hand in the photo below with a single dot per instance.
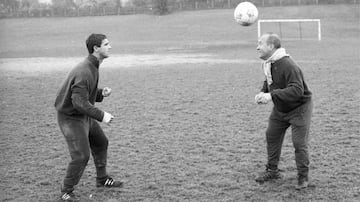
258 98
107 118
263 98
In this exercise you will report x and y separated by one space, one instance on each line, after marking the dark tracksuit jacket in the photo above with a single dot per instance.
292 106
288 90
79 91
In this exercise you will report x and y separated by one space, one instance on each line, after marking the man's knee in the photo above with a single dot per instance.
102 147
106 143
99 142
80 158
300 136
274 135
300 144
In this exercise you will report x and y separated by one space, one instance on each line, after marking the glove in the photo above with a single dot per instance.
106 91
107 118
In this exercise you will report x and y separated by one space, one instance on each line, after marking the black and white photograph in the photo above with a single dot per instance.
179 100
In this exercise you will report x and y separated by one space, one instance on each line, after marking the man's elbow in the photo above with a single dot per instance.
78 104
298 92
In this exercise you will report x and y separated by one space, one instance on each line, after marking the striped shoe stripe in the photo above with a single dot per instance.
109 182
65 196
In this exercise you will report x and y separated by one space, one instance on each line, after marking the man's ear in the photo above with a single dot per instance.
272 46
95 48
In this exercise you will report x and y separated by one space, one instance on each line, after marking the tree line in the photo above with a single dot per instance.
73 8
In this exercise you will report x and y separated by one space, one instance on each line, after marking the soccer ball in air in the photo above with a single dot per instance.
246 13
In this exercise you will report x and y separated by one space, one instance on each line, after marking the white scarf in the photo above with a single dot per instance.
277 55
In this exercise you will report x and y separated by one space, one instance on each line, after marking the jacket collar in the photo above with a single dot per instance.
93 60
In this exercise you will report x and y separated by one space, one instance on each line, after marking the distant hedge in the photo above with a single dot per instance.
67 8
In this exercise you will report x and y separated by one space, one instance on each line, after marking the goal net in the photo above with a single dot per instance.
292 29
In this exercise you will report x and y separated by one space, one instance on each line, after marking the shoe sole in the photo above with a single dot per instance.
269 180
103 186
302 187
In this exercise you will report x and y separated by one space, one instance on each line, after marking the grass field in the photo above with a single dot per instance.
186 126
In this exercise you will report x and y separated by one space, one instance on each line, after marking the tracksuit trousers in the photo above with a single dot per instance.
83 135
299 119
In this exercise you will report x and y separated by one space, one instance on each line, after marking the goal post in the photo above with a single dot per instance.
280 28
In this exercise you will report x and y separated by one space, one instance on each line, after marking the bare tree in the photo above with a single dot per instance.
160 7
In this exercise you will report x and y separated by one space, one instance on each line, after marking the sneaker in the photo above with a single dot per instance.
268 174
68 197
109 182
303 182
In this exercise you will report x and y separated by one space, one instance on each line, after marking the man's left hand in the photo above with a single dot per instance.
106 92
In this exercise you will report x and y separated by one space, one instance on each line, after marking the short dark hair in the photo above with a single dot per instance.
273 39
94 40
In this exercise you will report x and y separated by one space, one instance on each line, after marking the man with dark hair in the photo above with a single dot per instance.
94 40
78 118
284 85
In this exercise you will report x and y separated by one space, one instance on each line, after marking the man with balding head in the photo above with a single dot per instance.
285 86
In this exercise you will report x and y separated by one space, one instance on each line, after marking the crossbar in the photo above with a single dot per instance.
291 20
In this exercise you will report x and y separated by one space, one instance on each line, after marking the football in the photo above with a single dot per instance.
246 13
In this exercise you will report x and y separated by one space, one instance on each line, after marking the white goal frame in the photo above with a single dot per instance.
291 20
